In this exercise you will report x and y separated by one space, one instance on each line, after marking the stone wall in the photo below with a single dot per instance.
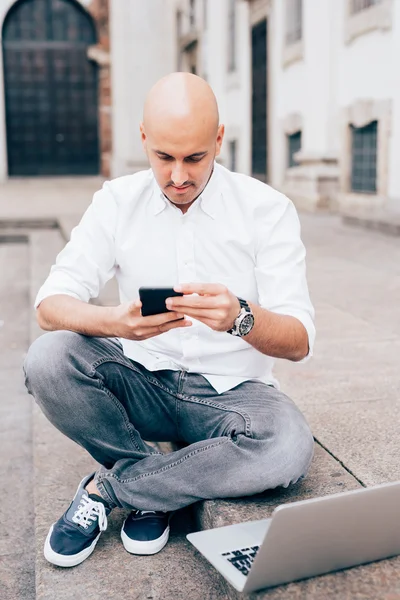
99 9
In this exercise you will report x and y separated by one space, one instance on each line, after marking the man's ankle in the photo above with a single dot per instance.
91 488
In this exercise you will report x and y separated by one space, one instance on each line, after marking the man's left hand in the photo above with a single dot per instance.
214 305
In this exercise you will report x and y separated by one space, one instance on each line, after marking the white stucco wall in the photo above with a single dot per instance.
368 69
142 51
394 159
332 76
287 93
231 89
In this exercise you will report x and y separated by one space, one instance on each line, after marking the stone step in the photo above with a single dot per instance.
17 551
111 572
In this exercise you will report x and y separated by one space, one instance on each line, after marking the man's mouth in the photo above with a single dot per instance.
181 189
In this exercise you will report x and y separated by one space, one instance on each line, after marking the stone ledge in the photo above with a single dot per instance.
384 221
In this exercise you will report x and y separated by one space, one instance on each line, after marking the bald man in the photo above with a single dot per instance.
200 373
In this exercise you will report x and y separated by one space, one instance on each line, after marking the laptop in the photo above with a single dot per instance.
306 538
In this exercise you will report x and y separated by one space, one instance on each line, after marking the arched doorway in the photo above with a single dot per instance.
51 89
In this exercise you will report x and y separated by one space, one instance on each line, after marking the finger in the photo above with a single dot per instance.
135 306
202 314
200 288
184 303
175 325
156 320
150 332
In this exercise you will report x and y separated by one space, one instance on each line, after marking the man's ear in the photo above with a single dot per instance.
143 136
219 140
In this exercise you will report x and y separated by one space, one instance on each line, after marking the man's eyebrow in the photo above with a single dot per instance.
195 155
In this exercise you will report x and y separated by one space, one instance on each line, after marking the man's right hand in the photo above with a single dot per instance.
130 324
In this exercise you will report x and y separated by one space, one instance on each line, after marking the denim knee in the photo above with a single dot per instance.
47 357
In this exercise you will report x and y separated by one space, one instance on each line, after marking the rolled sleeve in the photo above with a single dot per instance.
281 269
87 262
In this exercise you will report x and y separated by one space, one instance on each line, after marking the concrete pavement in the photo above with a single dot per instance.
349 392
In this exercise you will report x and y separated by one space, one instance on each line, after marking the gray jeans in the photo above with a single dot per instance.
241 442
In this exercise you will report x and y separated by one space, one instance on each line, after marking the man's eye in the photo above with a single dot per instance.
194 160
165 158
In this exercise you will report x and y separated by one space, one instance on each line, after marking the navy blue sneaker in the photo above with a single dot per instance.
74 536
145 531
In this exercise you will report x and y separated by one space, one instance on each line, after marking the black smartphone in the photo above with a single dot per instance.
153 299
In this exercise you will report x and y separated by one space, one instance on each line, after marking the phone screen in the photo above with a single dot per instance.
153 299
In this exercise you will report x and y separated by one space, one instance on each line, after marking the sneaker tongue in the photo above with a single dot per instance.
98 498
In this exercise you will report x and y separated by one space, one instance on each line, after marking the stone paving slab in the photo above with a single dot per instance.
385 221
353 372
364 436
46 197
334 324
17 560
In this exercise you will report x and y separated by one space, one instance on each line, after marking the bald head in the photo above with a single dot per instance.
181 100
181 136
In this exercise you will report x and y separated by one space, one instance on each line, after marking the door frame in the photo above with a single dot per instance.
260 10
4 10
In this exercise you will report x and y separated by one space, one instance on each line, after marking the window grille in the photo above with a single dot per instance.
294 145
364 158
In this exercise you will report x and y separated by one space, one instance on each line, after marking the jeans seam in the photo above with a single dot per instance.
124 415
167 467
245 416
151 380
104 492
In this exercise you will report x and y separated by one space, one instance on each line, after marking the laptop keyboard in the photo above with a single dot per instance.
242 559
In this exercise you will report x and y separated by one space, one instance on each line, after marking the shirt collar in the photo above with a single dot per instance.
209 200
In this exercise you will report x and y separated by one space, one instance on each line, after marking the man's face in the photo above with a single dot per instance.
182 161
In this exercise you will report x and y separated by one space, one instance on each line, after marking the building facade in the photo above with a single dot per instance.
308 90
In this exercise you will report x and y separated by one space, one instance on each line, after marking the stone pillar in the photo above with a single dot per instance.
100 53
313 183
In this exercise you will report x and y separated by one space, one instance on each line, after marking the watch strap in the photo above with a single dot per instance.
243 304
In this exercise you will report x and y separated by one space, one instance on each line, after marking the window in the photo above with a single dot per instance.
232 36
233 155
363 155
192 13
294 145
294 21
357 6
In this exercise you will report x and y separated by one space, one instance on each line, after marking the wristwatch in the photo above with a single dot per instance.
244 322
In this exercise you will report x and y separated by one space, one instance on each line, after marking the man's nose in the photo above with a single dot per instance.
179 175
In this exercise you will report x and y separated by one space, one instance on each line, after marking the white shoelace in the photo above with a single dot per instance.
146 512
88 511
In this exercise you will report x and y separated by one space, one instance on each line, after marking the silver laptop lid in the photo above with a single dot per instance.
326 534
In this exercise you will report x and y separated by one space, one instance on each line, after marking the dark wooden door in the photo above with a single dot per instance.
50 89
259 101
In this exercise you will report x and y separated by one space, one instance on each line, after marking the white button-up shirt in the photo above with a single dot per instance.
239 232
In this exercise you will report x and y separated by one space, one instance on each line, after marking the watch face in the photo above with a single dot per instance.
246 325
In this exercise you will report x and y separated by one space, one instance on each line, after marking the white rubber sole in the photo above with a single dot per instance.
62 560
145 548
